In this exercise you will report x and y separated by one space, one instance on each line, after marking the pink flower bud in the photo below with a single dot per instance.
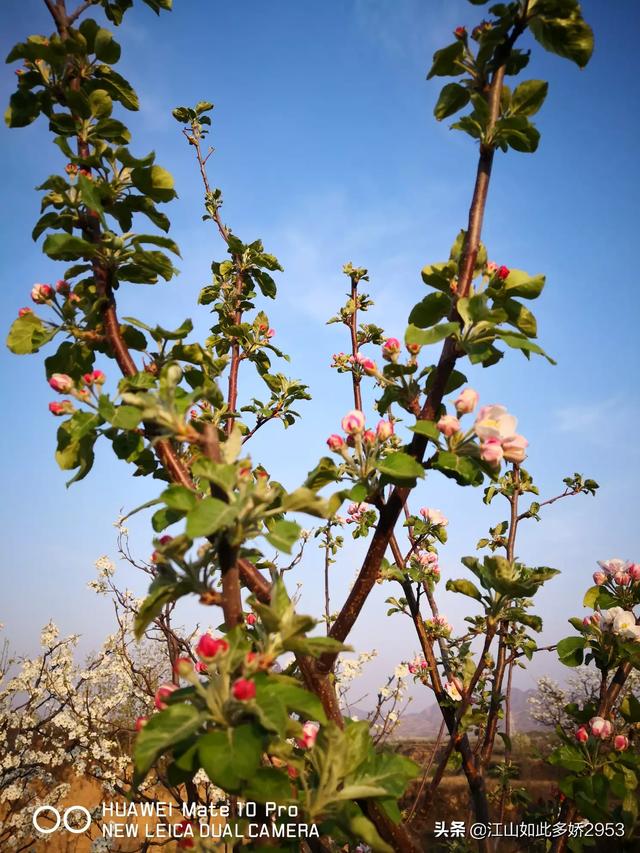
369 366
62 383
466 401
460 32
621 742
369 436
309 734
599 578
384 430
165 540
65 407
335 443
514 448
600 727
62 287
448 425
391 349
503 272
587 621
492 267
164 691
634 571
209 647
201 667
141 722
414 349
250 619
271 333
353 422
582 735
622 578
24 311
41 293
243 690
596 618
491 451
412 668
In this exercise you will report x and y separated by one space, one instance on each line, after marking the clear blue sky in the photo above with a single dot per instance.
327 149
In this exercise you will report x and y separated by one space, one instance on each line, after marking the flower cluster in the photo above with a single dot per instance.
80 389
602 729
437 627
617 572
426 562
434 517
358 364
496 429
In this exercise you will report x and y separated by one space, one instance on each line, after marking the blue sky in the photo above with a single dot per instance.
326 147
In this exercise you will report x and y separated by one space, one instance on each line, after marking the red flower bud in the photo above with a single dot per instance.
41 293
162 693
250 619
503 272
61 382
335 442
460 32
141 722
209 647
24 311
582 735
243 690
369 436
62 286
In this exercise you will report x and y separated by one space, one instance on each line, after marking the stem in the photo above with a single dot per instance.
353 329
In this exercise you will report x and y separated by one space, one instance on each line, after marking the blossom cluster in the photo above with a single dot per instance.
602 729
616 571
81 390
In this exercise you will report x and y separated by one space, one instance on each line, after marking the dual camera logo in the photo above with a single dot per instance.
60 818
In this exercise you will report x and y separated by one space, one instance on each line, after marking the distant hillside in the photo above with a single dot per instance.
426 723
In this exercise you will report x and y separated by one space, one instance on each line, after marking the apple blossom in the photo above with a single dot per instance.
600 727
164 691
622 578
62 383
621 742
613 565
491 451
369 436
492 267
599 578
503 272
495 422
250 619
243 690
414 349
514 448
624 625
434 516
634 571
384 430
335 443
369 366
42 293
466 401
309 734
452 691
209 647
353 422
448 425
582 735
24 311
65 407
391 349
460 32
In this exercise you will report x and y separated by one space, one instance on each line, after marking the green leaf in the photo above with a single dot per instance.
283 534
162 731
521 342
571 650
447 62
591 597
430 310
209 516
427 428
413 335
28 333
529 96
520 317
519 283
24 108
100 103
400 468
567 35
155 182
159 595
105 47
453 97
180 498
465 587
268 785
66 247
464 470
232 756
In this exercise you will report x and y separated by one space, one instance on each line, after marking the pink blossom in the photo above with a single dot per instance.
201 667
243 689
621 742
460 32
622 578
434 516
384 430
24 311
66 407
613 565
209 647
466 401
369 436
61 382
414 349
309 734
495 422
452 691
369 366
599 578
162 693
600 727
491 451
492 267
582 735
96 376
271 333
634 571
514 448
391 349
335 443
250 619
353 422
448 425
41 293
